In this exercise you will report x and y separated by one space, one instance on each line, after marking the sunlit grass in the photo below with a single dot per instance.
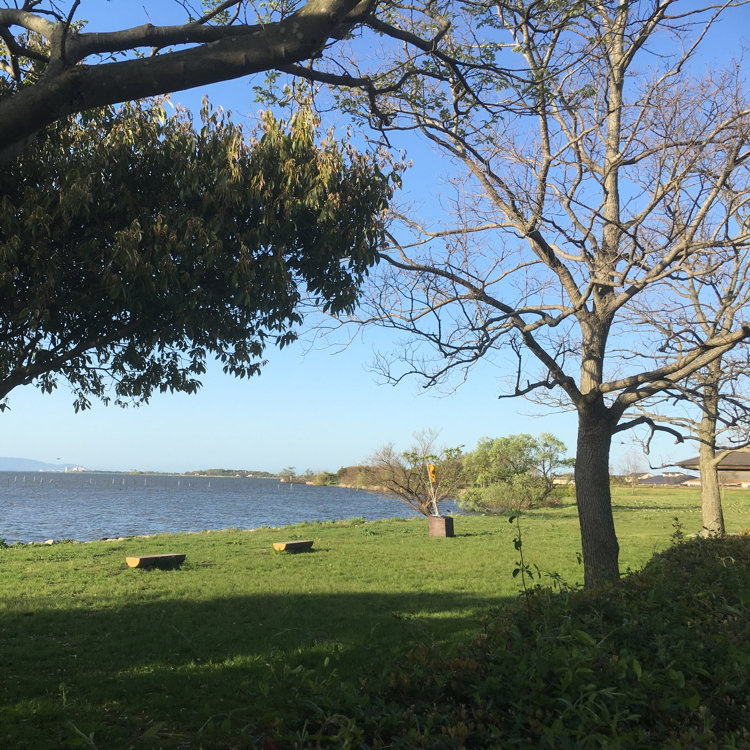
90 645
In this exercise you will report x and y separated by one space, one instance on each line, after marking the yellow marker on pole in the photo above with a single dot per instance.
432 473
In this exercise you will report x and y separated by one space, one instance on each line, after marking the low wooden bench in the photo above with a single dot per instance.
165 561
299 545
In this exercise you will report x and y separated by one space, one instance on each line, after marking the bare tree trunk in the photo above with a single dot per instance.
712 514
711 511
598 538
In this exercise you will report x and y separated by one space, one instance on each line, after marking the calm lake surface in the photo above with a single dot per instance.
36 506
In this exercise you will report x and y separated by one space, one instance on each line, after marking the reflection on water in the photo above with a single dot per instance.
38 506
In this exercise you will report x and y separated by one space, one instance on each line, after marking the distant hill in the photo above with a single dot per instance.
29 464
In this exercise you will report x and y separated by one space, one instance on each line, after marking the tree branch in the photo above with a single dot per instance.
224 53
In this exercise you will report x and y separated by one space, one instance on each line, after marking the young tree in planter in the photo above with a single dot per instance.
133 247
596 170
423 476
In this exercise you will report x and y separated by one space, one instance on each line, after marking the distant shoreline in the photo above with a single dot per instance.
137 473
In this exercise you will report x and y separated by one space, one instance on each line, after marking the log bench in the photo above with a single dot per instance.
299 545
165 561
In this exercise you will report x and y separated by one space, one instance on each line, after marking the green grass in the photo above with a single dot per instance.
659 659
97 654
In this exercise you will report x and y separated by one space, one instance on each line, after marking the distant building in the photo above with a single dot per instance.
638 476
734 467
668 478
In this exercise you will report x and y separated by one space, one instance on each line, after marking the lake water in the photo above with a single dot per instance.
36 506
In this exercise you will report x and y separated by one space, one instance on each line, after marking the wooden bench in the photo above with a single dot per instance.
166 561
299 545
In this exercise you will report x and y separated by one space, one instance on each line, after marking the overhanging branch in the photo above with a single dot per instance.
654 428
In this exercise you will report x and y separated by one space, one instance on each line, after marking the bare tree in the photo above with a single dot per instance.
712 406
595 172
631 467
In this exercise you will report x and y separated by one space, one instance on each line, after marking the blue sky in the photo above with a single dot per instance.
310 408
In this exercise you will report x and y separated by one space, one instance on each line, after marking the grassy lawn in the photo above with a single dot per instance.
97 654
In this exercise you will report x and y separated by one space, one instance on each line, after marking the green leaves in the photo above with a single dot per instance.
134 245
516 471
640 663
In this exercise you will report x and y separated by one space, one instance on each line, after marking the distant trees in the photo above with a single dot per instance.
325 478
230 473
632 467
351 476
423 476
287 474
517 471
134 246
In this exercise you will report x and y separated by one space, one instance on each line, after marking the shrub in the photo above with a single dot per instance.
516 492
325 478
658 659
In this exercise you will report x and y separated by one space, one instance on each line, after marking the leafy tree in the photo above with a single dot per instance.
325 478
56 68
133 247
516 471
288 473
496 459
408 476
591 164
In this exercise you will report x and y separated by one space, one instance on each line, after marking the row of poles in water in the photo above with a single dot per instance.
121 482
34 479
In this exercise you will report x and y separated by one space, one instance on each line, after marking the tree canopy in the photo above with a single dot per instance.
133 246
55 67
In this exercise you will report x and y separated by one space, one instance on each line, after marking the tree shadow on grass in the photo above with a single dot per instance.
173 666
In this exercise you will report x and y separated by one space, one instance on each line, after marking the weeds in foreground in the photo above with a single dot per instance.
522 568
678 535
639 663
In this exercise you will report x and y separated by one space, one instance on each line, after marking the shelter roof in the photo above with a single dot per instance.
668 479
737 460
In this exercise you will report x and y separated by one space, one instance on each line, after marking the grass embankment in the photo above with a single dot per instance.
241 642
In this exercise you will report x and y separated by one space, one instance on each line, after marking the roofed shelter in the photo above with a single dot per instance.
733 468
